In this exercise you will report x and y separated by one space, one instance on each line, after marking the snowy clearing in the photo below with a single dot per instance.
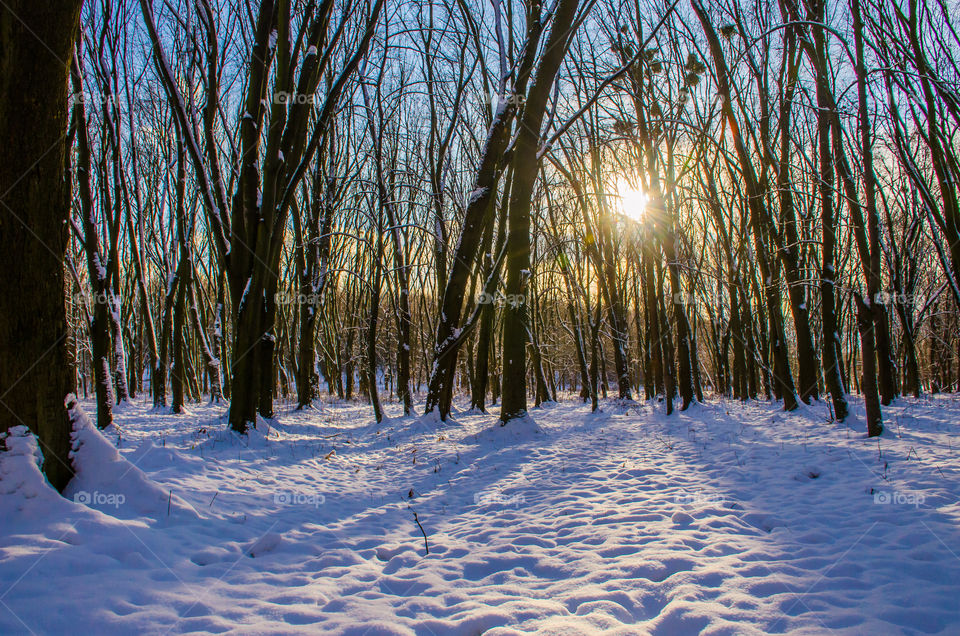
726 519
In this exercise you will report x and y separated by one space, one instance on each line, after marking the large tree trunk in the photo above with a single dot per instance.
372 322
865 326
686 354
525 169
267 376
209 352
439 389
740 379
887 366
308 263
807 362
184 274
119 351
654 341
828 271
485 337
818 53
179 376
158 375
491 165
101 294
35 372
594 356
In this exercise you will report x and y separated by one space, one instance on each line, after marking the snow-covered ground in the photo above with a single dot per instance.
726 519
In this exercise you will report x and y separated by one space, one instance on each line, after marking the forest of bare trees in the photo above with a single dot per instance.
263 202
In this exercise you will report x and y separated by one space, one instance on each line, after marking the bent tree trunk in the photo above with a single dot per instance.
440 389
491 166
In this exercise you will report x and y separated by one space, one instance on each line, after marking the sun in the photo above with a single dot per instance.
633 200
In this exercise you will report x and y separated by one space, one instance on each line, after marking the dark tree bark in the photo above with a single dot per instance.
184 274
654 339
886 365
525 167
179 377
782 375
789 247
828 270
828 294
485 336
491 166
373 318
268 174
36 46
101 294
868 250
865 326
686 354
313 251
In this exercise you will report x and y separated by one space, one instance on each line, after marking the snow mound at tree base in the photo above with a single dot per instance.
105 480
25 493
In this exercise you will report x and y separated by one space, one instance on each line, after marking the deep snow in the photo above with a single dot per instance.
725 519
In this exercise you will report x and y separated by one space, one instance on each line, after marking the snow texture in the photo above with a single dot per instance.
724 519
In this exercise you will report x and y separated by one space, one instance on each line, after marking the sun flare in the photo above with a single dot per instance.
633 200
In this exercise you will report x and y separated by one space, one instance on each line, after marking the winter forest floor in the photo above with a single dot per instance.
725 519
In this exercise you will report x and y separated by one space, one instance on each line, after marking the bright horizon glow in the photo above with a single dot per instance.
633 201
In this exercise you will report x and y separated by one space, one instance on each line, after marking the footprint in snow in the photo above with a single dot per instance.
212 555
263 545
